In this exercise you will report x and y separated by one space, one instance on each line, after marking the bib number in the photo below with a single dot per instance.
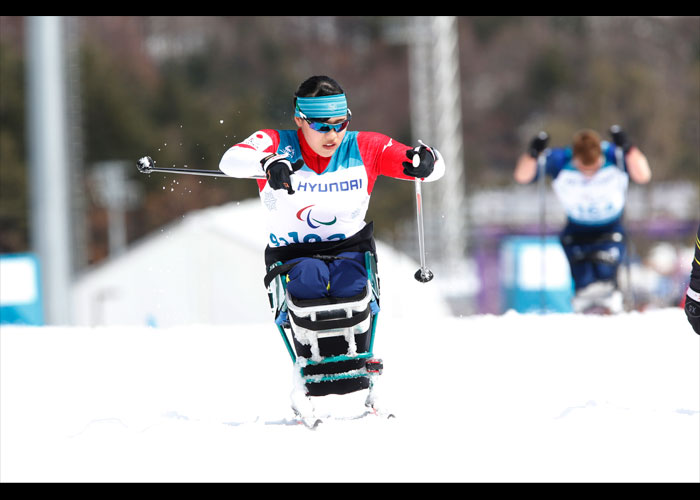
293 237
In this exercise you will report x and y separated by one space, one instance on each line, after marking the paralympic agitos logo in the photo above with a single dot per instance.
309 218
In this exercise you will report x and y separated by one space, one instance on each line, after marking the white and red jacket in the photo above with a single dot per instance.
331 194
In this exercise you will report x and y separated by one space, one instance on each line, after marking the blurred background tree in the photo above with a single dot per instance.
184 89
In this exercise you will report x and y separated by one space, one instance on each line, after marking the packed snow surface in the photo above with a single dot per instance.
517 397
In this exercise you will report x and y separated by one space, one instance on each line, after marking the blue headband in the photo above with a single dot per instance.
326 106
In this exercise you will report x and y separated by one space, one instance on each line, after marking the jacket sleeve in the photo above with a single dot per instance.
695 270
692 298
243 159
555 160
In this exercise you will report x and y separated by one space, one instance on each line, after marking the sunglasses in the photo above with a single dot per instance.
320 125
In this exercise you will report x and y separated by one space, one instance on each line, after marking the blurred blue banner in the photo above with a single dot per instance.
20 290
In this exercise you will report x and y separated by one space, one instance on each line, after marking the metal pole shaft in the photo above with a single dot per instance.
419 218
423 274
629 295
51 227
543 202
189 171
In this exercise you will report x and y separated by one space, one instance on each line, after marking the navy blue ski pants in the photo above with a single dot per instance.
342 277
591 257
585 271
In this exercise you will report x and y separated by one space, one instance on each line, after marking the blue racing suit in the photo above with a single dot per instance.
594 237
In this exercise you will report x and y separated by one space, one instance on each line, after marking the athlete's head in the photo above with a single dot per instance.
321 112
587 150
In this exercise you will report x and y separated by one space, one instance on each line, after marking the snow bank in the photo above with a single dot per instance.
555 398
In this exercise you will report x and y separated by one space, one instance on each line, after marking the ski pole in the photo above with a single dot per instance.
423 274
541 162
146 165
615 132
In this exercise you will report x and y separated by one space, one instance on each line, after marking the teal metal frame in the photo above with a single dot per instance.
281 314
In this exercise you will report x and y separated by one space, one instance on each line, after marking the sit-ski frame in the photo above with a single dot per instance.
277 292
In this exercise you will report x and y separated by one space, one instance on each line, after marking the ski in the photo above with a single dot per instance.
373 412
310 423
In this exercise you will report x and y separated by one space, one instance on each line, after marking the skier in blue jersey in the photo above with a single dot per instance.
590 178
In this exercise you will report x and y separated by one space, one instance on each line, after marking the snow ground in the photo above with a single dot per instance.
510 398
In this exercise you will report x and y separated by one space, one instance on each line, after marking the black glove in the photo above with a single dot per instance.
278 170
619 137
422 161
538 144
692 311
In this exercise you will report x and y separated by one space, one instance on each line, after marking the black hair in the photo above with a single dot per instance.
318 86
